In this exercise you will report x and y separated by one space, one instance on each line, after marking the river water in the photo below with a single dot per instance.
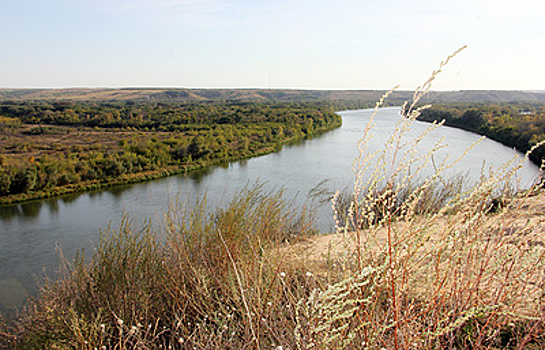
32 233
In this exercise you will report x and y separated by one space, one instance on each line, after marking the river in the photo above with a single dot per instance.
31 234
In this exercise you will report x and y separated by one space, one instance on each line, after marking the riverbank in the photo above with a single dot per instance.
527 209
127 179
517 125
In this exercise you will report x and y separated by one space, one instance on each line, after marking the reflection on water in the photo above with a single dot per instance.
8 212
117 191
69 198
32 209
53 207
27 210
199 174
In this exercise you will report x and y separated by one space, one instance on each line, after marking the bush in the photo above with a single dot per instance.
25 180
211 278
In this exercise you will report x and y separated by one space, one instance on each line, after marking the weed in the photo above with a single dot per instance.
447 272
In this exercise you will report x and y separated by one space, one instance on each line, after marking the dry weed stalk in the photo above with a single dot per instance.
457 276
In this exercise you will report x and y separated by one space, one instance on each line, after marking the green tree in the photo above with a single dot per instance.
5 182
24 181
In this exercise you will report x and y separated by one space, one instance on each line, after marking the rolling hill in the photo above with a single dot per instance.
286 95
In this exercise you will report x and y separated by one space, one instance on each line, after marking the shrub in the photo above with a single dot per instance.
210 280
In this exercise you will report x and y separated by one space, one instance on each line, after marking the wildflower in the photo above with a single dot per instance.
282 274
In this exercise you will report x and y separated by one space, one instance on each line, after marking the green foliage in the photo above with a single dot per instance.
24 180
165 116
189 136
5 182
514 124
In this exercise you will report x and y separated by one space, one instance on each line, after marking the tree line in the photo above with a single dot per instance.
518 125
164 116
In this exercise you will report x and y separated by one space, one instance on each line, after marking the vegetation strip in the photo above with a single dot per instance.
63 147
518 125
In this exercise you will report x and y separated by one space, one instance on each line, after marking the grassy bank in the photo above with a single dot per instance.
127 179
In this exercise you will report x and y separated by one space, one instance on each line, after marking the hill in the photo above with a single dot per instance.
284 95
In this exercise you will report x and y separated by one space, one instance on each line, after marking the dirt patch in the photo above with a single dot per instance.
522 214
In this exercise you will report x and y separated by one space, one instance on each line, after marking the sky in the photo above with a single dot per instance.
299 44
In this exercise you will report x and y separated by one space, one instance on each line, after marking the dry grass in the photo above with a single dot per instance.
212 280
457 276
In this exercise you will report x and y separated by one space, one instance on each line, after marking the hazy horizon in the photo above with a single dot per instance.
247 88
296 44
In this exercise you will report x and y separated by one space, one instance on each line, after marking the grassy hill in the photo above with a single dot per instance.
285 95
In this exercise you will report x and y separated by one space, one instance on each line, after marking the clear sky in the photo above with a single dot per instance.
311 44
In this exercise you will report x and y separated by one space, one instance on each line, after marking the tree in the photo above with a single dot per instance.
5 182
198 148
24 181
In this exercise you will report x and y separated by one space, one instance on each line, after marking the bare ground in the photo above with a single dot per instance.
324 249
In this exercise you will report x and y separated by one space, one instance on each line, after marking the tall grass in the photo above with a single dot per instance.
454 275
210 280
425 263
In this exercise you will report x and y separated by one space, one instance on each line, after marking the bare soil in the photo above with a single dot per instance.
321 250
